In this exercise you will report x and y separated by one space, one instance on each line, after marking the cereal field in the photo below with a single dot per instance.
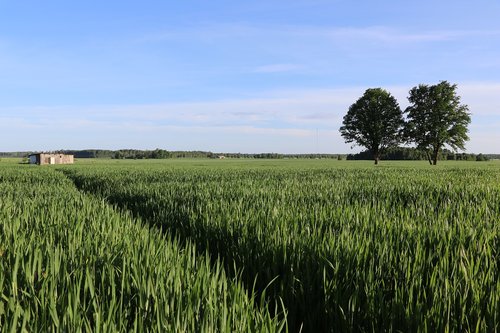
288 245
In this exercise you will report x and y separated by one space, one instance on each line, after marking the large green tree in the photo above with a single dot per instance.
374 121
436 118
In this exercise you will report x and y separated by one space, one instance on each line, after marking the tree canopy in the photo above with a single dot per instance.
374 121
436 118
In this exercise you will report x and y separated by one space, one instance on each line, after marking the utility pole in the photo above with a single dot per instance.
317 143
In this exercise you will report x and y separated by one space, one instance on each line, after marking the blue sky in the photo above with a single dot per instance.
233 76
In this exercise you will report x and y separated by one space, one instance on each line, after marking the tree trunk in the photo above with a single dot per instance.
376 157
435 155
428 156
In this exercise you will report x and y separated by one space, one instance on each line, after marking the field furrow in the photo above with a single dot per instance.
70 262
344 249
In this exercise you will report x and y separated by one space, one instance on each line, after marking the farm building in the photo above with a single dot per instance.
47 158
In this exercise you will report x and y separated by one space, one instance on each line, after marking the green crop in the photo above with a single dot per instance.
346 248
245 245
70 262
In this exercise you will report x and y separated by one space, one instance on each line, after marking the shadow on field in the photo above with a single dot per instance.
345 294
285 276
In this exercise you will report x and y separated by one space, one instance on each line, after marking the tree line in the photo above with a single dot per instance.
413 154
434 119
164 154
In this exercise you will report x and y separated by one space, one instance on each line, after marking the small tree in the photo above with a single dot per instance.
435 118
374 121
481 157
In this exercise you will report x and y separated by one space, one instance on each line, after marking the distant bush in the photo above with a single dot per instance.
481 158
413 154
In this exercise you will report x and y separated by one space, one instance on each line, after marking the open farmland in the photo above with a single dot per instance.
243 245
69 262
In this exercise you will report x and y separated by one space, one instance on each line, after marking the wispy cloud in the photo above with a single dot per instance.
285 117
483 98
277 68
309 107
388 34
393 35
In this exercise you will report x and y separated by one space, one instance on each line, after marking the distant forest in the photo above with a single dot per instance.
413 154
163 154
399 153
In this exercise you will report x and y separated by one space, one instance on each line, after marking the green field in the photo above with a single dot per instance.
250 245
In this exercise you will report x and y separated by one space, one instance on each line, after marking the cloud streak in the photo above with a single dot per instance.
293 115
386 34
277 68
